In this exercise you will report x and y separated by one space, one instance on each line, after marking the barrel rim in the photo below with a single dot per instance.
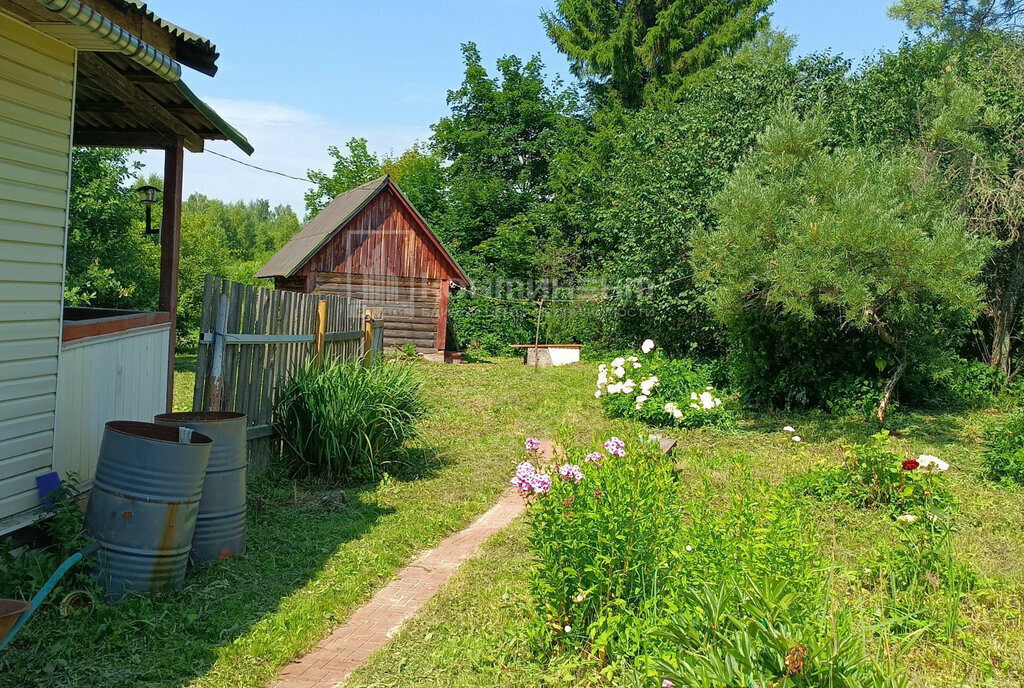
198 417
154 432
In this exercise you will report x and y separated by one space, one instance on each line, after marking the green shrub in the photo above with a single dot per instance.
760 633
616 547
872 476
856 396
1003 458
660 391
343 421
605 546
955 382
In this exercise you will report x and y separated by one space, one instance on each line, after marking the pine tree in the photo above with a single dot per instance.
639 50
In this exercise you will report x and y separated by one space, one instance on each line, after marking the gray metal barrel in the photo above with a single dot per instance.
220 527
143 506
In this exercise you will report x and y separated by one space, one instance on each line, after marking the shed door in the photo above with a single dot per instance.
36 95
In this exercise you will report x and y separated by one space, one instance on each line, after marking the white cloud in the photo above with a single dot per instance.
286 139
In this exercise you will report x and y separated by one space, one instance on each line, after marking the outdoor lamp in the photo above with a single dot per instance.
147 197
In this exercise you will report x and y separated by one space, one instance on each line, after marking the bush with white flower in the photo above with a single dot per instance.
659 391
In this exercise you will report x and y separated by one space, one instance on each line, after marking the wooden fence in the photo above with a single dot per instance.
252 339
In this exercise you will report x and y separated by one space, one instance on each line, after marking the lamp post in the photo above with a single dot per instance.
147 197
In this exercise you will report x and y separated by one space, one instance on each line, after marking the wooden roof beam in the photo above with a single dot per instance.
124 138
140 102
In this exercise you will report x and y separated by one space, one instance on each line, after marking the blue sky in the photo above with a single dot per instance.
297 78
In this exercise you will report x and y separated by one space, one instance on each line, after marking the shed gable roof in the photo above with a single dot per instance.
333 219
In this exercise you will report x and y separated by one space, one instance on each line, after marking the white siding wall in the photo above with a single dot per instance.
121 376
36 96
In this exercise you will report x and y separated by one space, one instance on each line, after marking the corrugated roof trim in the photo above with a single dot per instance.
206 54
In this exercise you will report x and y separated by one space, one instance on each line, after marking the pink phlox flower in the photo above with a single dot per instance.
571 471
615 447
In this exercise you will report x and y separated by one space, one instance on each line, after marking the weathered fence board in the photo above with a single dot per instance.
253 339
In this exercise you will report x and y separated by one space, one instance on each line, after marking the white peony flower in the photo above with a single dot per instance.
931 464
620 372
670 407
602 367
568 629
640 400
695 406
707 400
648 346
708 388
796 438
628 386
597 394
637 366
693 395
718 402
649 384
677 414
689 548
634 359
907 518
789 428
618 362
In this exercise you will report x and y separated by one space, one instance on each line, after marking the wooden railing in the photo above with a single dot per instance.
252 339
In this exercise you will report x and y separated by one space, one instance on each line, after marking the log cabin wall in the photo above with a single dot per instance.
410 305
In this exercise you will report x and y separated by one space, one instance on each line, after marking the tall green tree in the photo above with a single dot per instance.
959 17
111 262
498 142
641 50
350 169
975 135
849 257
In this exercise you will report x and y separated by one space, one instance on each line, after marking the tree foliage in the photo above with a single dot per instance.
643 50
959 17
850 241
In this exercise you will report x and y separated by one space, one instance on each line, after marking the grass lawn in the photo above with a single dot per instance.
313 557
476 632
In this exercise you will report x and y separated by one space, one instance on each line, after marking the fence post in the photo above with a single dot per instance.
217 358
321 329
367 336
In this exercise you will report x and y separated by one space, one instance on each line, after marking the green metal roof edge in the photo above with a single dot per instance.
223 127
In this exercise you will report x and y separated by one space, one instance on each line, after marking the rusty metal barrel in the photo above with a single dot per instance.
144 503
220 526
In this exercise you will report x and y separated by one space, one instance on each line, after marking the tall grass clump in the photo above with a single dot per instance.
1004 454
341 422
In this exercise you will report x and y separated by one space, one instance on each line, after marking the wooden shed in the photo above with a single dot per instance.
370 243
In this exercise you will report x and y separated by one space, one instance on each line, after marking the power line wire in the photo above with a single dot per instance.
262 169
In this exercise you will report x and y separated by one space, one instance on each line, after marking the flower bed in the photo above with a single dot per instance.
653 389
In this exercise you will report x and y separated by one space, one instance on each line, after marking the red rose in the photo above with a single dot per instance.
910 464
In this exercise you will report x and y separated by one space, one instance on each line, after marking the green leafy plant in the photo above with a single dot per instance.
343 421
1003 458
602 531
663 392
22 573
872 476
759 633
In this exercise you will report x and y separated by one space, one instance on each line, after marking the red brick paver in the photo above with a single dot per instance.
374 624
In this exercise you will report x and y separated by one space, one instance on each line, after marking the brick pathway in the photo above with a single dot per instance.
375 623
